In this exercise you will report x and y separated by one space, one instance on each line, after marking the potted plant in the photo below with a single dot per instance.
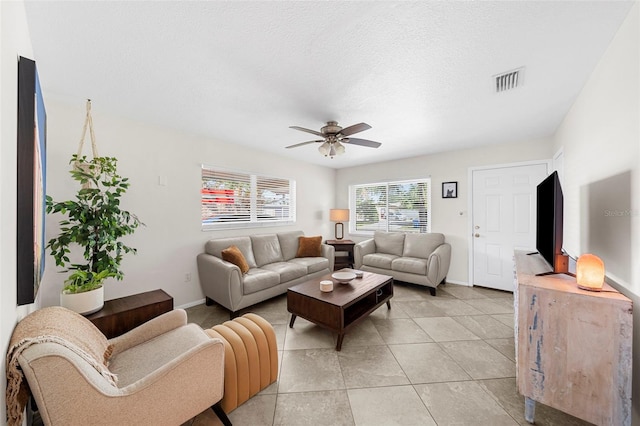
96 223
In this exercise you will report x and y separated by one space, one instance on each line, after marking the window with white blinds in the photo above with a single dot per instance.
232 199
402 206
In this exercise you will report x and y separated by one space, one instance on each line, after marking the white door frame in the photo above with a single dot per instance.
558 164
470 171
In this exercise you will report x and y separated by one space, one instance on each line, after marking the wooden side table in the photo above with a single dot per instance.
126 313
344 253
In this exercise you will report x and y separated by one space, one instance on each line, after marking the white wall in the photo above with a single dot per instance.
168 244
449 216
14 42
600 137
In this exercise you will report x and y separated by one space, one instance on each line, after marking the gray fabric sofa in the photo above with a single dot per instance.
273 267
415 258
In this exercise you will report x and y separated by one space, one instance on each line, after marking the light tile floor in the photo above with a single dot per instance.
443 360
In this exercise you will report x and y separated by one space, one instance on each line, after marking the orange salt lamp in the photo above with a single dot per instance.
590 272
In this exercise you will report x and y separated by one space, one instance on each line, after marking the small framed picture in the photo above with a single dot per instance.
449 189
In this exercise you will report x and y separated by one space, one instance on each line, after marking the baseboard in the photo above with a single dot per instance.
466 284
190 304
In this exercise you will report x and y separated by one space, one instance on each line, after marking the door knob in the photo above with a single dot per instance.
477 235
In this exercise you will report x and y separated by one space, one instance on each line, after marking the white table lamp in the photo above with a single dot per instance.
339 216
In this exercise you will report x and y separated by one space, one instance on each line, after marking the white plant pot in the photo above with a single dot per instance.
84 303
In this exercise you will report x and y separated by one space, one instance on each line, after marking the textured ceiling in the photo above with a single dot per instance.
420 73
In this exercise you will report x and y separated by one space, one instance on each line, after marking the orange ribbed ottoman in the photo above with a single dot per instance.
251 358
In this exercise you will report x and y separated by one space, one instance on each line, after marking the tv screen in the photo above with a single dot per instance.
550 204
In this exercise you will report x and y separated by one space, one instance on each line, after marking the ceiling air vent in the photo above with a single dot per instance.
509 80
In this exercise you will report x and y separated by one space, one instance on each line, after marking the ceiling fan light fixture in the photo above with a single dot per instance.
324 149
334 137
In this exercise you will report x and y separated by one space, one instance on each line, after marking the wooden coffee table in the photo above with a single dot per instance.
342 308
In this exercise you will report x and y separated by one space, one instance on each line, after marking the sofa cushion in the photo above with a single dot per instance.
309 246
287 270
410 265
313 264
259 279
422 245
215 247
266 249
379 260
234 255
389 242
289 244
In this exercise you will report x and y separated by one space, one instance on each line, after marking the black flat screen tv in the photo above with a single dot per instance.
549 232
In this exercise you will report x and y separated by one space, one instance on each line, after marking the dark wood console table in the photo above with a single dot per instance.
126 313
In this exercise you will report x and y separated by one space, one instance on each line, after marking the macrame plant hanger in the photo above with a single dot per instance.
88 123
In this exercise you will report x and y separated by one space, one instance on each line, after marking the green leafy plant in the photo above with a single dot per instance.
95 222
80 281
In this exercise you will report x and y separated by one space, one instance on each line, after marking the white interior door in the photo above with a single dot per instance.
503 219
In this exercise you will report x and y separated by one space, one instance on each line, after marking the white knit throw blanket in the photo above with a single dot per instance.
53 323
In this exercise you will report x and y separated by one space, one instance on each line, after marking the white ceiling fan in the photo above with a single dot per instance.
334 137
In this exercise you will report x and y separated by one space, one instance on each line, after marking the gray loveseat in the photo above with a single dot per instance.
415 258
273 267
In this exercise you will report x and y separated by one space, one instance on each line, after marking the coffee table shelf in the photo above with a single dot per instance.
363 307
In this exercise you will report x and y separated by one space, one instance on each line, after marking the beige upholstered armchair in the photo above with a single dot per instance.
163 372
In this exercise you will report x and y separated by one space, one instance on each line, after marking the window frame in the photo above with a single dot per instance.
255 202
353 207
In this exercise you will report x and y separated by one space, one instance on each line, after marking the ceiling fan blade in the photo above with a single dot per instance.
302 129
303 143
356 128
361 142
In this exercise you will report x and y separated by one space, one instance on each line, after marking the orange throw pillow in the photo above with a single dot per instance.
309 246
234 255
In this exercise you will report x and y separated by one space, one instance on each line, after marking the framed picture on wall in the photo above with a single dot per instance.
449 189
31 182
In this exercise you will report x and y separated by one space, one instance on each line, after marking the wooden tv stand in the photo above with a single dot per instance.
573 347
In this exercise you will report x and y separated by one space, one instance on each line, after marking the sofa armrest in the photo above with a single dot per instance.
149 330
362 249
438 263
330 253
220 280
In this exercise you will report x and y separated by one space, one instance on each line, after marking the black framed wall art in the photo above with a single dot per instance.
449 189
31 182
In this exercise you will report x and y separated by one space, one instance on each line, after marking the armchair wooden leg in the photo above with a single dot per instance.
217 408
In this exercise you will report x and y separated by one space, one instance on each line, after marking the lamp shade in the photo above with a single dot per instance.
590 272
324 149
339 215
